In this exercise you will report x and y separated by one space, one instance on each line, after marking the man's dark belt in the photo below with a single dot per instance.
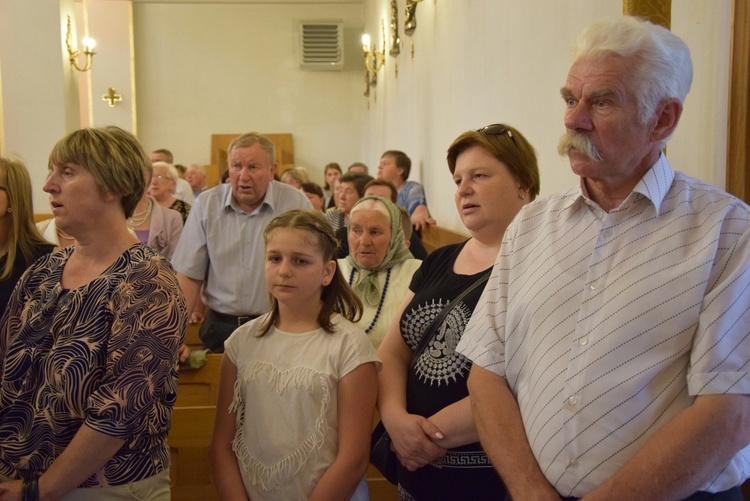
232 319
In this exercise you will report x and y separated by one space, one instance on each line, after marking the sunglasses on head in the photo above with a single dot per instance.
496 130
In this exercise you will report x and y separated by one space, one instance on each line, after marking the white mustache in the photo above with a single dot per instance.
582 143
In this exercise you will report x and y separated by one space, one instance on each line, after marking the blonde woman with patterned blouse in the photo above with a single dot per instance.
88 345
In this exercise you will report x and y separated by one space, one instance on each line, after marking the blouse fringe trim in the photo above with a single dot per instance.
272 477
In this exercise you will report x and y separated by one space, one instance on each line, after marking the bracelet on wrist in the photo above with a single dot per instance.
30 489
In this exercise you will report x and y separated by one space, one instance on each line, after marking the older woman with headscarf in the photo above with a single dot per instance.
379 265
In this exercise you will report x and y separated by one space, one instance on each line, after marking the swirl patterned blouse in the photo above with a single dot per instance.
104 355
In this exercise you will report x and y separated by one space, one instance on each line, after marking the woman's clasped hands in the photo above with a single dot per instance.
416 441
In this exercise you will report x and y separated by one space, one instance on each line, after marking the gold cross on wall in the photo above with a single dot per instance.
112 96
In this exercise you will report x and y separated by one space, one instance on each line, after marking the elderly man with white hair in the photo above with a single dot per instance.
611 345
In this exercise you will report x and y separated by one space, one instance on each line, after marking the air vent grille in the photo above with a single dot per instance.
322 45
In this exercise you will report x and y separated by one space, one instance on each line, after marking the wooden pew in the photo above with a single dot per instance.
189 441
200 386
192 338
192 427
434 237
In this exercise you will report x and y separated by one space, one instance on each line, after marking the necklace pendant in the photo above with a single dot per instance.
382 297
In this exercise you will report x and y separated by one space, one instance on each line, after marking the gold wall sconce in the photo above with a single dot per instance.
73 52
374 59
395 39
410 24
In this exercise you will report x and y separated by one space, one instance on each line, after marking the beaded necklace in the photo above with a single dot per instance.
382 297
138 218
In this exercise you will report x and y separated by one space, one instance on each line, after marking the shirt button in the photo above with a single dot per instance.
583 341
573 463
572 400
608 234
594 285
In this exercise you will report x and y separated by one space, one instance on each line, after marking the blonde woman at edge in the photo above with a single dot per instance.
20 242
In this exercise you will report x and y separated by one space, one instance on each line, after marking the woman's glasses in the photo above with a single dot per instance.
496 130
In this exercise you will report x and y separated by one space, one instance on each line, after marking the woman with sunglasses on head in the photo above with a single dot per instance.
423 399
20 242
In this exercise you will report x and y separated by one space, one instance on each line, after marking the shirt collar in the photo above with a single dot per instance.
268 200
654 185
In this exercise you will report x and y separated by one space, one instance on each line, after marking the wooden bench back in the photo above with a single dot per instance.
433 237
189 441
192 428
192 337
200 386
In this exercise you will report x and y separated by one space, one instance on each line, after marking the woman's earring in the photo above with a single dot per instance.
10 210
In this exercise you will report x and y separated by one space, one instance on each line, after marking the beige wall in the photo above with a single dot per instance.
39 97
222 68
483 61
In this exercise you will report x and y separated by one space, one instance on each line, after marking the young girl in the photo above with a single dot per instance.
298 385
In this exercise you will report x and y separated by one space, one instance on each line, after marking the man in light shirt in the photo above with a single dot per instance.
221 253
611 345
395 167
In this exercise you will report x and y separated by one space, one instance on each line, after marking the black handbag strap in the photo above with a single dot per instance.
432 329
